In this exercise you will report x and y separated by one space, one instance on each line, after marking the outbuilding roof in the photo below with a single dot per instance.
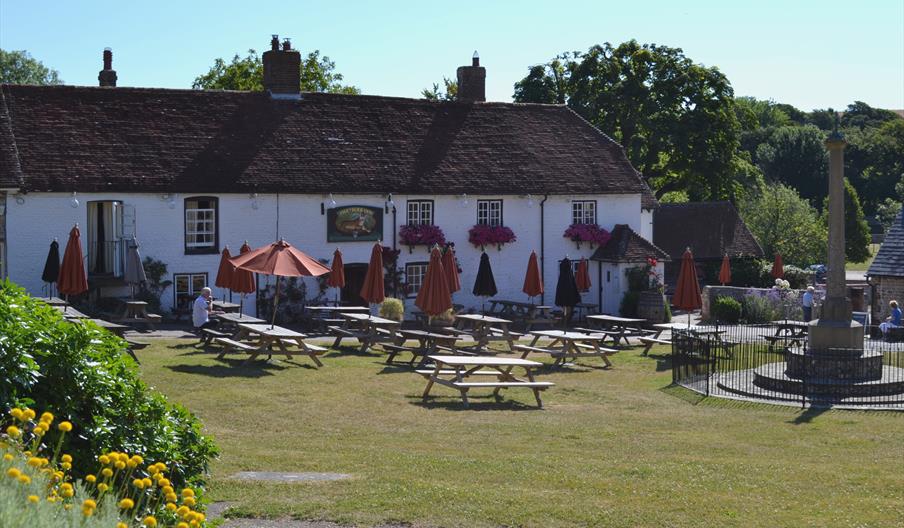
710 229
65 138
627 246
889 261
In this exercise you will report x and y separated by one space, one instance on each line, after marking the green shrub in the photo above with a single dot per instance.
798 278
80 373
756 309
392 309
726 309
628 307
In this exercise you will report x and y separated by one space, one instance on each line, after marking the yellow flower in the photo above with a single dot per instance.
66 458
24 479
91 478
182 525
28 414
137 459
147 482
13 473
188 492
17 413
65 427
138 483
120 464
126 504
13 431
102 487
107 472
46 417
7 456
167 489
34 462
172 497
182 510
103 459
66 465
122 525
33 498
150 521
170 506
87 512
39 431
89 503
67 493
153 469
163 482
188 501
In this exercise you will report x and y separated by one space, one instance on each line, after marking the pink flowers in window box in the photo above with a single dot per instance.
421 235
592 233
482 235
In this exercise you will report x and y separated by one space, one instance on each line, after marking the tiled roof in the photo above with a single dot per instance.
158 140
10 173
710 229
889 261
627 246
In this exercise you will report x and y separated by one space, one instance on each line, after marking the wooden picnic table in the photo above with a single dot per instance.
324 316
338 308
135 310
232 319
583 309
53 301
619 328
70 312
565 345
529 313
367 329
789 333
428 343
269 336
225 306
116 328
486 328
455 371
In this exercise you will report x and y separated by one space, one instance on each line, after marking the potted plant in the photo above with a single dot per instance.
482 235
421 235
392 308
592 233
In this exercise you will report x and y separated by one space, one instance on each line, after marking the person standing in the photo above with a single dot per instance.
893 320
807 303
202 309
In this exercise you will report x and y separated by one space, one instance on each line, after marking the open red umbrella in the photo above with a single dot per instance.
450 269
73 280
372 290
243 280
282 260
434 297
778 269
725 271
687 291
337 273
533 282
582 277
225 271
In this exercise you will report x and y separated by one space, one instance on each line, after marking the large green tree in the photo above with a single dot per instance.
19 67
674 117
447 92
318 74
796 156
856 231
785 223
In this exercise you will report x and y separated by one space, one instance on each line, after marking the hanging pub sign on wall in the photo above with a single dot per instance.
354 223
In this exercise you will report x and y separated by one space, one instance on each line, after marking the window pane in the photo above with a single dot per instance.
181 283
198 282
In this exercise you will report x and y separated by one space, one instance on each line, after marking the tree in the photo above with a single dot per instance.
675 118
447 93
785 223
756 114
856 231
862 115
887 212
18 67
796 156
247 74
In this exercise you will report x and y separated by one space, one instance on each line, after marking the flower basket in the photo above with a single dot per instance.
482 235
421 235
591 233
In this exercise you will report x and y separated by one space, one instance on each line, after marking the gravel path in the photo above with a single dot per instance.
216 510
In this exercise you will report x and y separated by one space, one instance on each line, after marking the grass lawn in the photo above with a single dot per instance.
863 266
611 448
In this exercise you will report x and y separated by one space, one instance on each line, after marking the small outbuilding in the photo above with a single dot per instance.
886 273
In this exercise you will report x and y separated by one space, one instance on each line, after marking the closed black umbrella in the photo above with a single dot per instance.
484 284
567 295
52 266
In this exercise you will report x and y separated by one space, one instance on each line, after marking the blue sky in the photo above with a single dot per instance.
812 54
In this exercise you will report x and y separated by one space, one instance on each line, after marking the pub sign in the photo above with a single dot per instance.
354 223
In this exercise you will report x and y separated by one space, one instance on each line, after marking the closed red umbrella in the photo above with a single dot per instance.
225 271
243 280
533 282
337 273
725 271
73 280
687 291
582 277
434 297
450 270
372 291
778 269
282 260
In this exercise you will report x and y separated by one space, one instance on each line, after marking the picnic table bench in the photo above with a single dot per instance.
486 328
367 329
565 345
619 328
649 341
454 371
268 337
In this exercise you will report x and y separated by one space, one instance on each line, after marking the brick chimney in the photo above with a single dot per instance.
107 76
472 81
282 70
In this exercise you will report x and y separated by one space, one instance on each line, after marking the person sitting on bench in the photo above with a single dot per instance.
892 321
202 309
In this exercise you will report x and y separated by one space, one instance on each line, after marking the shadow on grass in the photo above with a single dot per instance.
808 415
663 361
397 368
232 368
476 403
351 351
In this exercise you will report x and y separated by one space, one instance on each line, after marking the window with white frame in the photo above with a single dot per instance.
583 212
489 212
201 225
420 212
414 276
187 286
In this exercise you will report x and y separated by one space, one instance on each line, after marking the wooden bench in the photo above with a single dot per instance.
312 351
444 372
895 334
208 334
527 349
230 344
785 340
648 343
394 350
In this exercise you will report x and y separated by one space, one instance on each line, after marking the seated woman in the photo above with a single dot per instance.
892 321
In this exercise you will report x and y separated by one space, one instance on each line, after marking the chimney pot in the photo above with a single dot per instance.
282 70
475 59
107 76
287 44
274 42
472 81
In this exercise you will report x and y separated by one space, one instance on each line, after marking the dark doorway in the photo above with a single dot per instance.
354 281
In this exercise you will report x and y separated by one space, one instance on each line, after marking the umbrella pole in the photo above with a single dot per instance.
241 305
275 304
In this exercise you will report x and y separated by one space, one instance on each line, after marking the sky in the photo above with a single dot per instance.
811 54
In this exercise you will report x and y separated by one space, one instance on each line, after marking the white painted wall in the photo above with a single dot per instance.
160 230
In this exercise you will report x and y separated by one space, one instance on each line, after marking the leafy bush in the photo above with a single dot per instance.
155 286
628 307
80 373
392 309
798 278
727 309
757 309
